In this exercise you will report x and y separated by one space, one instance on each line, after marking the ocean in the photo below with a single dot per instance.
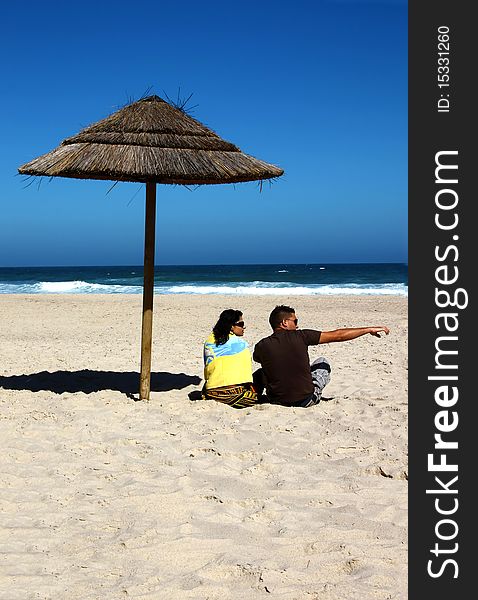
300 279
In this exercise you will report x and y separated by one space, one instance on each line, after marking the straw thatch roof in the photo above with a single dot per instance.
150 140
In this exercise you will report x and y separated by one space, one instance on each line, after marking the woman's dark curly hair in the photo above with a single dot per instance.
222 328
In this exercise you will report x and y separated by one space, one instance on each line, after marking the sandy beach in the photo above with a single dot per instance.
106 497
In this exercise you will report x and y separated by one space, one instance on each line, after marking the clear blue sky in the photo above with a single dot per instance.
316 87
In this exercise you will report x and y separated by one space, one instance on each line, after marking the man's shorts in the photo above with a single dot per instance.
320 369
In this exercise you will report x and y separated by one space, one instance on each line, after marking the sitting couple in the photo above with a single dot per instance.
286 374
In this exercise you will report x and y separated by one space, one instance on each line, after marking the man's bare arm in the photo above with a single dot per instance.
350 333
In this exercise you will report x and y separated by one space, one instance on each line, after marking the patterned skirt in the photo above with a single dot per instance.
238 396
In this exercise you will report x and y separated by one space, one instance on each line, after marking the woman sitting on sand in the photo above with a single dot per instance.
228 363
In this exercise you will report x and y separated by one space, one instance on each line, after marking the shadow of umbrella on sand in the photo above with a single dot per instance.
153 142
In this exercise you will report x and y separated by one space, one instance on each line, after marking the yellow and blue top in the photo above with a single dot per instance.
227 364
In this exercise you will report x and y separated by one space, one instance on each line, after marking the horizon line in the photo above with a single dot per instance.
80 266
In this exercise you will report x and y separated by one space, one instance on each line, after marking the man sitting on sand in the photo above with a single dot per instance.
286 372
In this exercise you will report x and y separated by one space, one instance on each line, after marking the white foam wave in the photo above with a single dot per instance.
317 290
82 287
255 288
60 287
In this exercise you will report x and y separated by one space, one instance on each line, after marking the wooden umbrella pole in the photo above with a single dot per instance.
148 291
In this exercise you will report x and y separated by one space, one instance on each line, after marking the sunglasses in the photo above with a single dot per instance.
295 321
239 324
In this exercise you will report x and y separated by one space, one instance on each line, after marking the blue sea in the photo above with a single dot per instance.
301 279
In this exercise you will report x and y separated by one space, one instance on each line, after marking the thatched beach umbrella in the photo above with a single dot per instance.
153 142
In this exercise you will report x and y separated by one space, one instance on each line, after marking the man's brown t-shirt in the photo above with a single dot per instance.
285 362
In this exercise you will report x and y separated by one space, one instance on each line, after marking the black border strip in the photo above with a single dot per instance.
441 120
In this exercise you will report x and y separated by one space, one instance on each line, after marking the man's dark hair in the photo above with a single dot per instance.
280 313
222 328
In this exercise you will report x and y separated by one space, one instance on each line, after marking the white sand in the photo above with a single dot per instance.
104 497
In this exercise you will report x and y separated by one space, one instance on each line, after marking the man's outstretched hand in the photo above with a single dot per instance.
376 331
